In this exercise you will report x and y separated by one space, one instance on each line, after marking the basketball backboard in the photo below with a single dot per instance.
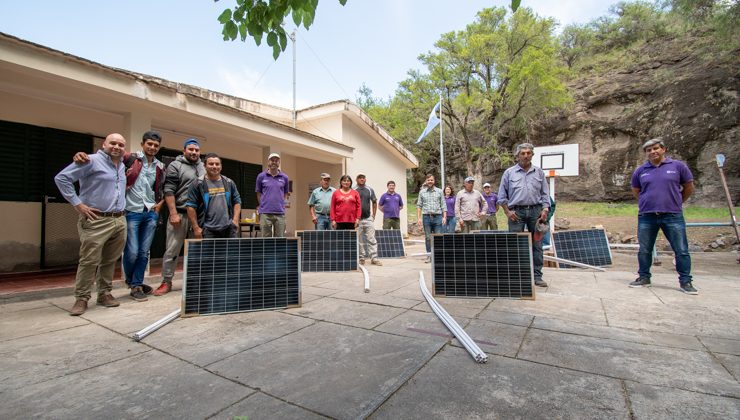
563 159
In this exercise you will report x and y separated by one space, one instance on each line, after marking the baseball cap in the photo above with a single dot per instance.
469 179
486 185
325 175
272 155
191 141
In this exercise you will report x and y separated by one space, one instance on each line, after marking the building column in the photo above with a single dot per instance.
135 125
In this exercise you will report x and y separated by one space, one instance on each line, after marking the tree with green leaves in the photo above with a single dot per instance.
255 18
496 77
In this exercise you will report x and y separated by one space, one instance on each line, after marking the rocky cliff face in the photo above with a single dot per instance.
675 89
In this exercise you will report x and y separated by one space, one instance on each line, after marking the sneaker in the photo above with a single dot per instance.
79 307
540 283
137 294
108 301
689 289
640 282
163 288
428 260
148 290
376 261
362 261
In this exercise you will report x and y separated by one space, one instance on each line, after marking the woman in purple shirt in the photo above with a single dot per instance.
450 201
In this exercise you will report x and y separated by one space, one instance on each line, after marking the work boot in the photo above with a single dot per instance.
108 301
362 261
137 294
163 288
79 307
376 261
540 283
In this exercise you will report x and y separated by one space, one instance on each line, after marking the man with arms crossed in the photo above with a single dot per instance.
524 196
101 224
661 186
213 203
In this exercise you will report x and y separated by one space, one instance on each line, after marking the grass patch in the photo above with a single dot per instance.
583 209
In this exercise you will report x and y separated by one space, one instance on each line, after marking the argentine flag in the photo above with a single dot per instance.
433 122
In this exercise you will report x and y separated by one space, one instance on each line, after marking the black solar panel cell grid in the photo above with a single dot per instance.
482 265
328 250
234 275
588 246
390 243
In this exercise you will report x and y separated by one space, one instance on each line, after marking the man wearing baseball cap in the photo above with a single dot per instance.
470 206
488 222
180 174
272 188
319 203
661 186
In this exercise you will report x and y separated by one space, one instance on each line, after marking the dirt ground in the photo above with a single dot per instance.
626 227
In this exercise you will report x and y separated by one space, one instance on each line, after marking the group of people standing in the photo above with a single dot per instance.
122 194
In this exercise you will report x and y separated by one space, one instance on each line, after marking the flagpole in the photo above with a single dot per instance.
441 145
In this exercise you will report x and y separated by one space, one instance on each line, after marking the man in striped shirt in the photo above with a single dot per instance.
431 211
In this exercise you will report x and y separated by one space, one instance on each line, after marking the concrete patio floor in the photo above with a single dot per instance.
587 347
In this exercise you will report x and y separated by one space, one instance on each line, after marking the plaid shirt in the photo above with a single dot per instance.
431 201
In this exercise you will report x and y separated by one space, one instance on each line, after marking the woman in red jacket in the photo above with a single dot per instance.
345 206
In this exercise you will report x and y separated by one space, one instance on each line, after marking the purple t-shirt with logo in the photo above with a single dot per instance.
660 186
391 205
491 200
272 190
450 201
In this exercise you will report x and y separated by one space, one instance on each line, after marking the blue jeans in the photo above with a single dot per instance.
528 217
674 229
432 224
140 233
323 222
450 226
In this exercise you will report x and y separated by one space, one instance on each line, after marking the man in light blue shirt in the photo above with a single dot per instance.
320 203
101 225
524 196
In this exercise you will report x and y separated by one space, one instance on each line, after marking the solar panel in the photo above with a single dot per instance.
588 246
390 243
483 265
328 250
244 274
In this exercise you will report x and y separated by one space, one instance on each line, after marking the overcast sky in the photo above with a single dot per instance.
374 42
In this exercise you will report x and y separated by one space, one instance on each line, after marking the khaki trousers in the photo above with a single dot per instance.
101 244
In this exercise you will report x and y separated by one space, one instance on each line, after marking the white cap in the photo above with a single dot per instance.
272 155
486 185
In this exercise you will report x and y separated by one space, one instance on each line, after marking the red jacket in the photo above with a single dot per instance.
134 163
345 208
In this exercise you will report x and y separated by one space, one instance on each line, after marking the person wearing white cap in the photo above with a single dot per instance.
272 188
319 203
470 206
488 222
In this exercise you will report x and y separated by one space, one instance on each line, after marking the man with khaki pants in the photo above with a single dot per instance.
101 224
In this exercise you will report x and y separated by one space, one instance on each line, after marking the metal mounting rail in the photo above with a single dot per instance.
157 325
455 328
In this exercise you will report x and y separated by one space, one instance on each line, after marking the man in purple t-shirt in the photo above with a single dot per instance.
391 204
488 222
272 188
661 186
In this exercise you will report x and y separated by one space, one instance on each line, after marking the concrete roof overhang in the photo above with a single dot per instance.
36 71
